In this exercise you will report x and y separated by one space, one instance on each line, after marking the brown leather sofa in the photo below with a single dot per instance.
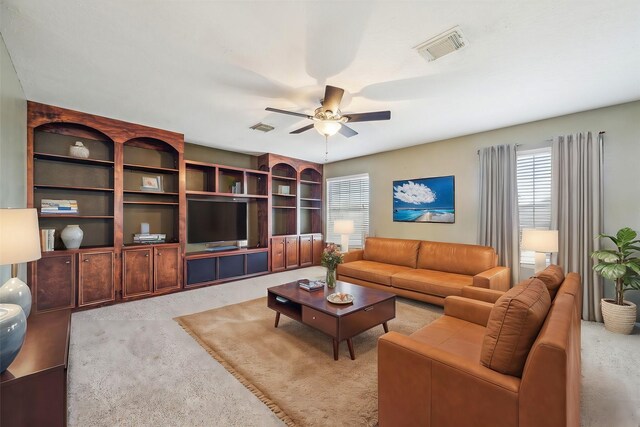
452 371
423 270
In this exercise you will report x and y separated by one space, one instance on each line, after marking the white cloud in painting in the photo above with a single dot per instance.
413 193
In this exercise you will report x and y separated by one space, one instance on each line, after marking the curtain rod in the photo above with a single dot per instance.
546 140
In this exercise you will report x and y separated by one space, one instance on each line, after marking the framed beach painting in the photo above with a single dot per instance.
425 200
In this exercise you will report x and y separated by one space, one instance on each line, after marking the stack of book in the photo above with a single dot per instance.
311 285
47 237
58 207
149 238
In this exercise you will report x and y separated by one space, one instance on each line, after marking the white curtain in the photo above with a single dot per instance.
577 211
498 221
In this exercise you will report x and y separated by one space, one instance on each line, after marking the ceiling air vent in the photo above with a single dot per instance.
262 127
442 44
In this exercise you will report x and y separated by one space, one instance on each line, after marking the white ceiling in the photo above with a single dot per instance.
208 69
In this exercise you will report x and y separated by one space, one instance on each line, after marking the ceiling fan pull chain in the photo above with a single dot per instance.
326 148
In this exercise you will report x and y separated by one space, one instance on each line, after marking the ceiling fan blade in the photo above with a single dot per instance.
303 129
347 131
332 98
368 117
291 113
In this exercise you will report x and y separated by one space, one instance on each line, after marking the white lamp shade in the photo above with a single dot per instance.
540 240
19 236
327 127
343 226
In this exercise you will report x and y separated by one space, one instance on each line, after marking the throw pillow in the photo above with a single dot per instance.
552 277
514 324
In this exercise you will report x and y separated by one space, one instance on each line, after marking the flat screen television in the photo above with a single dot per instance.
214 221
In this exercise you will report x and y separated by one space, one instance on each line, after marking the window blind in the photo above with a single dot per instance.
534 193
348 198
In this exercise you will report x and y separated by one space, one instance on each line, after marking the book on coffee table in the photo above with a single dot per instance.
311 285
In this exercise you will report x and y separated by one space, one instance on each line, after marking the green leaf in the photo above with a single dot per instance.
626 235
635 248
632 282
613 239
606 255
633 266
598 267
613 271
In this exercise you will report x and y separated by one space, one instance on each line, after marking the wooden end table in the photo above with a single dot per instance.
370 308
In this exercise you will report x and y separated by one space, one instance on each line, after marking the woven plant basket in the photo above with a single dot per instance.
618 318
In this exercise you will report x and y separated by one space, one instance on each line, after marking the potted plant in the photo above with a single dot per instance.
621 265
331 257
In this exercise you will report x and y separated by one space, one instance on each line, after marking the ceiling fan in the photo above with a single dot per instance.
328 119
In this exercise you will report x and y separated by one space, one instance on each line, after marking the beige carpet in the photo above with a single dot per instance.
291 368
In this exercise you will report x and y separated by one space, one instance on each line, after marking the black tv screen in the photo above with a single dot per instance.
209 221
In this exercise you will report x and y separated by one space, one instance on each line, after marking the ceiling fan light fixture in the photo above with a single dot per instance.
327 127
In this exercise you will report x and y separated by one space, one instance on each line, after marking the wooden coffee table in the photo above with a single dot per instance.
370 308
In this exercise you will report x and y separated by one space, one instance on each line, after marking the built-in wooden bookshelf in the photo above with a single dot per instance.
295 211
111 205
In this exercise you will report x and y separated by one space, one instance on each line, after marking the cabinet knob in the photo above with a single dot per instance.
85 260
159 253
147 255
67 262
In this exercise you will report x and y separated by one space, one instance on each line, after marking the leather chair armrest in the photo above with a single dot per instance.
353 255
497 278
471 310
481 294
419 384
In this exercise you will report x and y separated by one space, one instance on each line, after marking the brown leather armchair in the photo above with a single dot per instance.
435 376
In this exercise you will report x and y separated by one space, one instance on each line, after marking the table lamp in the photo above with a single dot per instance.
344 227
19 242
542 242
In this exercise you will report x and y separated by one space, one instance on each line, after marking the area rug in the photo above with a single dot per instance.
291 368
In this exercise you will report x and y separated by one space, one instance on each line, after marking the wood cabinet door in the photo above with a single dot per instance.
306 256
277 254
95 278
318 247
166 268
55 284
138 272
291 252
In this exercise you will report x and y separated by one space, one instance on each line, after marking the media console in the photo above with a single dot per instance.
207 268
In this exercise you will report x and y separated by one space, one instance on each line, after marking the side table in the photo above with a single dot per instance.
33 390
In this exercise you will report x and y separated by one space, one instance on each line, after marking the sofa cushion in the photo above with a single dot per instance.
431 282
552 277
456 257
513 326
392 251
370 271
453 335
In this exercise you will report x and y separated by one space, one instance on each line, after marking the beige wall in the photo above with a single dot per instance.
13 142
458 156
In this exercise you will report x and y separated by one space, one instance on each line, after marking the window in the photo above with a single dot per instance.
534 193
348 198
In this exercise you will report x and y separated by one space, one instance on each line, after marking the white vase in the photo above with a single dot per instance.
618 318
79 150
72 236
13 327
15 291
